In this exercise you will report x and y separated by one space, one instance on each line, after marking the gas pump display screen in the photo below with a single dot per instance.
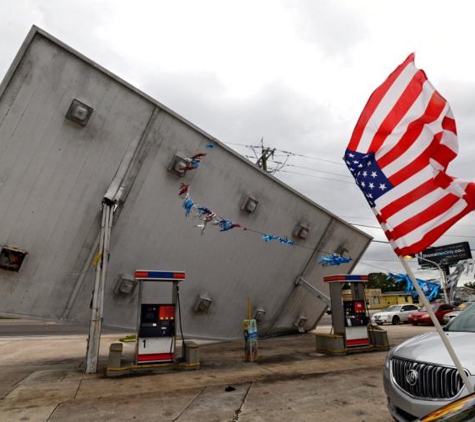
150 316
355 313
157 320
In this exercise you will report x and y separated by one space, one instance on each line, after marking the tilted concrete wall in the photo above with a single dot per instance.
54 174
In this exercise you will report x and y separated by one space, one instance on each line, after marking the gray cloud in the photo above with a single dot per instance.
333 27
301 123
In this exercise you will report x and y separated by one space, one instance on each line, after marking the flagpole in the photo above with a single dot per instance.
437 326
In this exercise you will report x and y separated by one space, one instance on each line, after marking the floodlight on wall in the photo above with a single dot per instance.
179 165
79 112
203 303
301 231
258 314
250 205
125 285
300 322
11 258
341 250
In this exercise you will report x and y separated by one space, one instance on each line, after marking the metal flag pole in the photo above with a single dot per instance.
437 326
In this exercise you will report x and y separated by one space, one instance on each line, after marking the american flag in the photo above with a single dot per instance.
398 154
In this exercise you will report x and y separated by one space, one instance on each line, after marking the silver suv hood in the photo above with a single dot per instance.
429 348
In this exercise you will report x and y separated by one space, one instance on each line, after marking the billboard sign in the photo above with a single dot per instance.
445 255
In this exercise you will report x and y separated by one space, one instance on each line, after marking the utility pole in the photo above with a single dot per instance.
266 153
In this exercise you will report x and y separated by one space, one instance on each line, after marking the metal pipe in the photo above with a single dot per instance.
313 290
110 201
139 316
442 276
117 188
437 326
93 340
81 277
105 257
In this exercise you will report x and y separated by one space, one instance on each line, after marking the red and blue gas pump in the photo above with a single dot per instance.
349 315
156 327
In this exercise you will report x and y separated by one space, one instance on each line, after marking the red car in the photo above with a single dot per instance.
422 316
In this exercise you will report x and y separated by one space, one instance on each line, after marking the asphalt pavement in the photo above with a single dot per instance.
43 379
28 328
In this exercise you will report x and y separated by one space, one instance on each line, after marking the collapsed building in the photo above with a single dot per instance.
73 136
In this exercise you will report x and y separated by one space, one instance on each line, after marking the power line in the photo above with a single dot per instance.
290 153
321 171
362 218
379 227
340 163
375 266
268 153
317 177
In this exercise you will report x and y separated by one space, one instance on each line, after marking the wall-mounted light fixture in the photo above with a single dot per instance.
301 231
259 314
340 250
11 258
250 205
203 303
179 165
300 322
125 285
79 112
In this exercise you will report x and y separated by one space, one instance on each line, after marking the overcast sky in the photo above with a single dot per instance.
295 73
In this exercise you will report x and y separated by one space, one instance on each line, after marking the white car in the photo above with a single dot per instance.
395 314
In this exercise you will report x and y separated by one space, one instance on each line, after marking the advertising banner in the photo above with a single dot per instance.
444 255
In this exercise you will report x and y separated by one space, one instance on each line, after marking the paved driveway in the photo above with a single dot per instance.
43 380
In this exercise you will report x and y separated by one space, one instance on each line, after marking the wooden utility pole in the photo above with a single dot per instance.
266 153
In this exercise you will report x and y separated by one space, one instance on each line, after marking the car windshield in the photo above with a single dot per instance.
393 308
465 321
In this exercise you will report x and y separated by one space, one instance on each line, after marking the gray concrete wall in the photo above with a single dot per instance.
54 173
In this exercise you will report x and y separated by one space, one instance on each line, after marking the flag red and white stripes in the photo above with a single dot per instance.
399 152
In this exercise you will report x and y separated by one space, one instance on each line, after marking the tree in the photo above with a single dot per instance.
383 282
470 284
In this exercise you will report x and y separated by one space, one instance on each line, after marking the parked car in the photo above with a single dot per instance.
394 314
422 315
419 374
456 311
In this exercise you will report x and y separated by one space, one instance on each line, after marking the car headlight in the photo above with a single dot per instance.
389 356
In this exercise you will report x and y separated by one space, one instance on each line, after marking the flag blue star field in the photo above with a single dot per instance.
398 154
369 177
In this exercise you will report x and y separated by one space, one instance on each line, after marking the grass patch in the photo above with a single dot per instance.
128 339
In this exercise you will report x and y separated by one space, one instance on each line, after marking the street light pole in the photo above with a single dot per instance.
441 273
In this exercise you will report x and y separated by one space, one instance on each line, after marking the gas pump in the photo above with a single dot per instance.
156 328
349 317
